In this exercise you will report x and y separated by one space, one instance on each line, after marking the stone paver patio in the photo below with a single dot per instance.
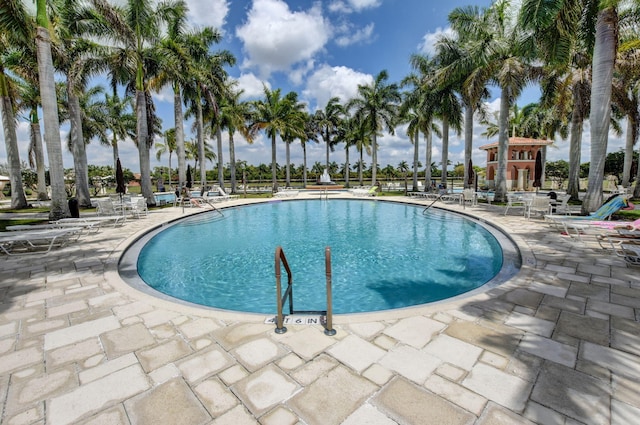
557 344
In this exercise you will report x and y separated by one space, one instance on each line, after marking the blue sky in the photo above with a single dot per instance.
319 49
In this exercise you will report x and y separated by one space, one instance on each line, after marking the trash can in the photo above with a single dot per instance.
73 208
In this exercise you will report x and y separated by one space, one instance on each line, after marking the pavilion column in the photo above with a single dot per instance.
522 172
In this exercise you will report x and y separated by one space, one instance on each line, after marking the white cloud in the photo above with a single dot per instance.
349 37
429 40
275 38
349 6
253 87
327 82
211 13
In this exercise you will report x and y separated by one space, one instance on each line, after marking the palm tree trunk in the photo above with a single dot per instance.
346 166
232 162
114 148
201 153
59 207
18 199
628 152
179 123
428 158
374 158
445 150
360 165
573 186
503 146
79 150
274 170
304 164
142 130
39 154
416 153
287 170
328 143
220 156
468 142
604 56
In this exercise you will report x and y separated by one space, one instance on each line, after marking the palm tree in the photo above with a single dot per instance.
59 207
604 58
328 120
625 95
311 132
498 51
469 84
234 116
15 30
403 168
29 102
377 103
182 51
120 120
135 28
560 30
169 146
276 115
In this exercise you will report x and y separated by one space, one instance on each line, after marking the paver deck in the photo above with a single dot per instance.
557 344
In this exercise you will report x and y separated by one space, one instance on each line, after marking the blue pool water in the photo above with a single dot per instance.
384 255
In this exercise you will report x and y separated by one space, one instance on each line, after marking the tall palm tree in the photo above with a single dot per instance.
562 32
59 207
311 132
30 102
626 84
169 146
136 29
276 115
500 52
328 120
604 58
15 30
120 120
467 82
235 116
378 103
181 51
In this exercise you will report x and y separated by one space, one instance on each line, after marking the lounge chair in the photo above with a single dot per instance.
365 192
603 213
86 227
36 241
286 193
115 220
630 251
218 195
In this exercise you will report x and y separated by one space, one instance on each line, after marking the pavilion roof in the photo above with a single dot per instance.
519 141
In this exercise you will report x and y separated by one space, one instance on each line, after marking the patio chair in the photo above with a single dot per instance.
36 241
603 213
139 208
539 204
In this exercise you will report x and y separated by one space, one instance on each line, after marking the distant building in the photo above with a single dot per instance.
521 161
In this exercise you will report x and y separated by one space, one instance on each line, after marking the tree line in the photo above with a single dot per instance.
582 53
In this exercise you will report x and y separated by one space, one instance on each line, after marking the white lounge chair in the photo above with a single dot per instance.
115 220
365 192
36 241
286 193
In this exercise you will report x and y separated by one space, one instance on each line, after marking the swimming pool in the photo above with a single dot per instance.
385 255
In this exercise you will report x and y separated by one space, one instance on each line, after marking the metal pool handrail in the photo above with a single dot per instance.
288 294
